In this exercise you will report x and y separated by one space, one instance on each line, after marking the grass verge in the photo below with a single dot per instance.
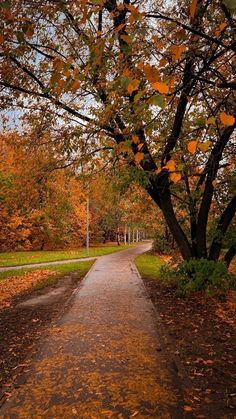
23 258
149 266
63 269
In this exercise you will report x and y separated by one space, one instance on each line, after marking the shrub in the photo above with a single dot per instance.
199 275
160 244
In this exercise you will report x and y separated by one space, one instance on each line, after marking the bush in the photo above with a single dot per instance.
199 275
160 244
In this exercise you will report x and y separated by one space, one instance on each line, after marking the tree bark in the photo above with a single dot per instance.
230 255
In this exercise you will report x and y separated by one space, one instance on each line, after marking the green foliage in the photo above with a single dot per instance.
199 275
160 243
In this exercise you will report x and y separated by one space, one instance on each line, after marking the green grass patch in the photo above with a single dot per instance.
24 258
149 266
63 269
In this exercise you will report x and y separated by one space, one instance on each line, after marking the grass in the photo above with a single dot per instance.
24 258
83 267
149 266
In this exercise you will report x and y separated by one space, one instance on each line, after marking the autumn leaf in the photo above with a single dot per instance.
161 87
135 139
151 73
138 157
127 39
204 146
1 39
221 28
75 85
193 7
211 120
157 100
227 119
170 165
188 408
177 51
192 146
175 177
133 85
119 27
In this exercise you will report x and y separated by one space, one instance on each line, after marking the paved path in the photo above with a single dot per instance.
35 265
103 359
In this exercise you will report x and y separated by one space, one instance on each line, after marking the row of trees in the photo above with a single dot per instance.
43 207
145 84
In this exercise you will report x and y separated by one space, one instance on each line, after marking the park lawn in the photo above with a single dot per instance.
149 265
63 269
27 257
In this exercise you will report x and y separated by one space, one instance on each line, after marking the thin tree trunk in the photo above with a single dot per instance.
230 255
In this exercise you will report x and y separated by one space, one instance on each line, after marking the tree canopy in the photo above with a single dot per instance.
144 84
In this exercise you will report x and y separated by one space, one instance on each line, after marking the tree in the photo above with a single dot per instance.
39 207
147 84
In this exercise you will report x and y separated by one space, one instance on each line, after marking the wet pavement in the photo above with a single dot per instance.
103 359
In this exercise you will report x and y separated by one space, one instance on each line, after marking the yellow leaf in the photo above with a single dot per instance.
133 85
204 146
135 139
192 146
211 120
193 7
170 165
188 408
177 51
214 183
160 87
175 177
138 157
227 119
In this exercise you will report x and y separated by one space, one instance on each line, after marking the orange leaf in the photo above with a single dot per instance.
175 177
126 38
188 408
160 87
170 165
1 39
75 85
177 51
133 85
135 139
220 29
227 119
193 7
138 157
151 73
140 146
192 146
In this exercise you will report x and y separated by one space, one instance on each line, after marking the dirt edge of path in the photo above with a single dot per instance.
22 326
202 346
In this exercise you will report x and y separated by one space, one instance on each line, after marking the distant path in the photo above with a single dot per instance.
35 265
103 359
